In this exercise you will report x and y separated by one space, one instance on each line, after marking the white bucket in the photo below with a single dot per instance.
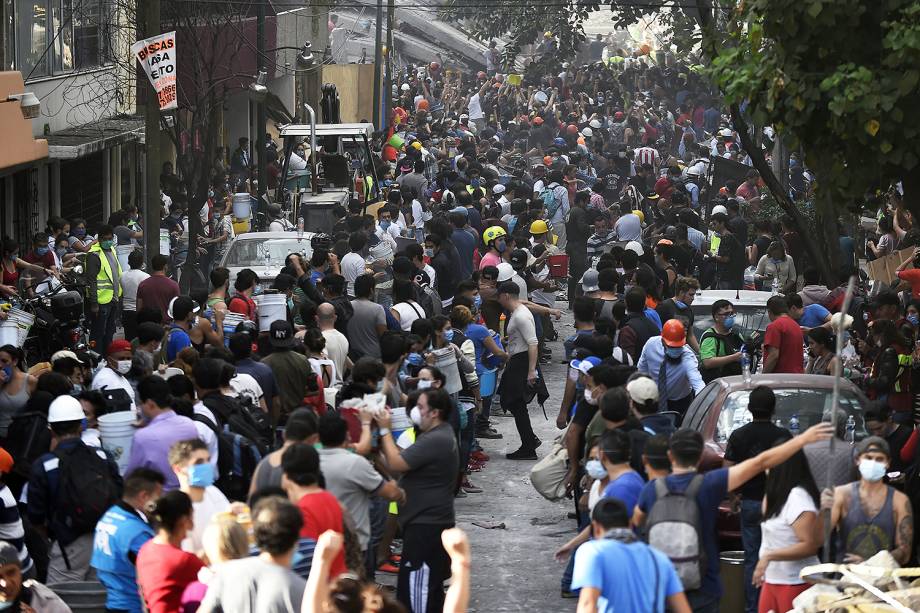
446 362
272 307
241 205
399 422
117 433
164 242
123 251
15 328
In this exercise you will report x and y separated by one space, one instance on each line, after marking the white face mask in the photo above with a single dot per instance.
415 415
589 397
424 384
872 470
123 366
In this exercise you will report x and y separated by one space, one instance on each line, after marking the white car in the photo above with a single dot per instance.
264 253
750 309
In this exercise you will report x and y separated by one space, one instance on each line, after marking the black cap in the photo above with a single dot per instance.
281 334
518 259
652 195
181 306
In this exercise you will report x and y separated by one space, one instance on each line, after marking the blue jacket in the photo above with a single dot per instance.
119 536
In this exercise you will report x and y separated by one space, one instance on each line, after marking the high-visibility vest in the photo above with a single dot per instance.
105 287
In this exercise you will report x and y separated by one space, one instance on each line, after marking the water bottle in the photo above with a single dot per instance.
851 430
794 425
299 228
745 364
775 286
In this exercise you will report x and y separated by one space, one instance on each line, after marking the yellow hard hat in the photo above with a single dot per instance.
491 233
640 215
539 227
548 34
417 146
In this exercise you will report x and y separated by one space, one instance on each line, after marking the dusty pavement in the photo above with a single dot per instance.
513 568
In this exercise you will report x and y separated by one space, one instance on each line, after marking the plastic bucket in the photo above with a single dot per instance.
242 204
117 433
15 328
487 381
241 226
231 321
558 265
165 242
396 141
272 307
446 361
400 422
82 596
731 565
123 251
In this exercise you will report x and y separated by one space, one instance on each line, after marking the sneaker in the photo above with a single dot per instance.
469 488
395 558
388 567
490 433
522 454
568 594
460 494
480 456
473 468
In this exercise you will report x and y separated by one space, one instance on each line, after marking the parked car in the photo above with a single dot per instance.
264 253
721 407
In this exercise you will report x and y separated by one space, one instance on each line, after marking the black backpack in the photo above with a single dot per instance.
237 458
725 345
243 419
27 438
117 399
86 488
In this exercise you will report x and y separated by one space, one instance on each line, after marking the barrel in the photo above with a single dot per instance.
123 251
117 433
242 204
487 380
272 307
446 362
165 242
81 596
732 570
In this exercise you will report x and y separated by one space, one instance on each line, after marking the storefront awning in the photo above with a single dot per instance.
81 141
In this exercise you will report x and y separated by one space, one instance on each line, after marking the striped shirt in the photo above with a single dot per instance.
647 155
11 529
598 244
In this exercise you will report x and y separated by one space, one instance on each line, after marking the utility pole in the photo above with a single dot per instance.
388 81
260 108
152 138
378 60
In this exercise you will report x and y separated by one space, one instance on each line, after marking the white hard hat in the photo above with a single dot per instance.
719 209
636 247
405 87
65 408
595 124
725 132
587 132
505 272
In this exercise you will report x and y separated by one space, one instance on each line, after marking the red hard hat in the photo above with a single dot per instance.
673 333
423 105
571 128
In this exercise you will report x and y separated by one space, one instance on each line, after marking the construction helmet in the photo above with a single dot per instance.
492 233
539 227
673 333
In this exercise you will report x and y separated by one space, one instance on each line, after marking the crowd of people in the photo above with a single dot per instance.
284 465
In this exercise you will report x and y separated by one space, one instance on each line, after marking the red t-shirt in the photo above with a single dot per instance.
157 291
912 276
163 572
322 511
785 335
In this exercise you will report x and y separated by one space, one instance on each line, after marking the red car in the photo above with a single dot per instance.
722 406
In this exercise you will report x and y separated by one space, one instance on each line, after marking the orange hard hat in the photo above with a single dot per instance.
673 333
547 160
423 105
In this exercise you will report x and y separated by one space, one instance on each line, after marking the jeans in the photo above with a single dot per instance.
466 440
702 602
379 510
750 539
103 327
482 419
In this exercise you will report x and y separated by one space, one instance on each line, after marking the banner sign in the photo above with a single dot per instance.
158 57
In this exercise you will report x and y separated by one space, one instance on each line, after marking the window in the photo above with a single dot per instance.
59 36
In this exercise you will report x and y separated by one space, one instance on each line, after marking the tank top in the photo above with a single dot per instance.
863 535
11 404
10 277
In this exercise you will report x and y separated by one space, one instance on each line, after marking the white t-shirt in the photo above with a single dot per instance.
280 225
129 282
419 215
214 502
408 313
337 350
353 266
205 433
475 108
107 378
777 533
246 386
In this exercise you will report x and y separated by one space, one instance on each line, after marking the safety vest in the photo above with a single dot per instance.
105 287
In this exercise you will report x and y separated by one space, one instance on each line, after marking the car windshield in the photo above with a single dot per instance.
271 252
747 319
809 406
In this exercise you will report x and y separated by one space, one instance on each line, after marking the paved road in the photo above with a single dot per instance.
513 568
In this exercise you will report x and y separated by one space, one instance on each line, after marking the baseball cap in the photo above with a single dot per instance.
719 209
652 195
65 354
642 389
119 345
65 408
505 272
6 461
498 189
281 334
518 259
589 281
873 443
181 306
635 247
462 210
583 366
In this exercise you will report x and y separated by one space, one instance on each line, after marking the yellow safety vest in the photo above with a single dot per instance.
105 288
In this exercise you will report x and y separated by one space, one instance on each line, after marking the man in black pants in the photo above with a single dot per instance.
577 231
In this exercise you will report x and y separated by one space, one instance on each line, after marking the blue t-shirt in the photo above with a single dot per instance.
711 494
465 244
813 316
653 315
633 577
316 276
478 334
120 533
178 340
626 489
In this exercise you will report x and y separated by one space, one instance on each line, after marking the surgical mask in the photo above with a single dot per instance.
595 469
415 415
424 384
123 366
8 372
679 304
589 397
475 183
729 321
914 319
871 470
449 334
106 245
384 225
290 303
41 250
429 253
379 387
500 246
79 232
674 352
210 193
201 475
415 359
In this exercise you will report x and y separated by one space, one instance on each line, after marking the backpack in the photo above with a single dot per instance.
241 418
429 299
117 399
550 202
237 458
673 528
27 438
164 347
723 348
86 488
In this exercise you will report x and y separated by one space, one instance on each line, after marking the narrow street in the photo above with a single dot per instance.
513 568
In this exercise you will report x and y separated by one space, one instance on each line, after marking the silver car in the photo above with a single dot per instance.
264 253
